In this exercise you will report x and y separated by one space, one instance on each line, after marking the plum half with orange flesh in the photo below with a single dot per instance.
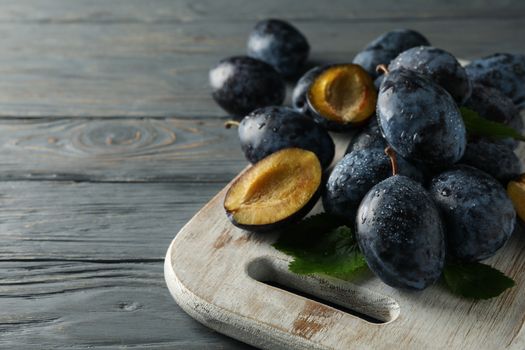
278 190
342 96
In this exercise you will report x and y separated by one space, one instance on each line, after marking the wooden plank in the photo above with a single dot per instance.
103 222
81 266
169 150
160 69
154 11
72 305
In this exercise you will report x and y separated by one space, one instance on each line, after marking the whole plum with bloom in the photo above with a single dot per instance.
440 66
354 175
502 71
370 59
368 137
492 104
496 159
267 130
478 214
279 44
398 40
400 233
241 84
378 81
386 47
420 120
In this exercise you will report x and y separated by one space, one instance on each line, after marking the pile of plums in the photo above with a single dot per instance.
415 185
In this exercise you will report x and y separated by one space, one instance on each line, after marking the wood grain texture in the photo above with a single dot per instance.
73 305
107 222
155 11
140 60
81 266
124 150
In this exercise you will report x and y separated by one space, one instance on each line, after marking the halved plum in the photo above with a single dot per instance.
342 96
278 190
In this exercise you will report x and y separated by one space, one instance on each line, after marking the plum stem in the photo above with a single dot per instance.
389 151
231 123
382 68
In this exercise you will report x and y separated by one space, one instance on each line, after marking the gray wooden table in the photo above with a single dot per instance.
110 141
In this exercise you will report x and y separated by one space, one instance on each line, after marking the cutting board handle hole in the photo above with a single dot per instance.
344 296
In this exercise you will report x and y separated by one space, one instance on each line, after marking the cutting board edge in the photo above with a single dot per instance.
224 321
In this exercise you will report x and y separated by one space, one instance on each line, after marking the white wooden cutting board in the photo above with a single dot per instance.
216 273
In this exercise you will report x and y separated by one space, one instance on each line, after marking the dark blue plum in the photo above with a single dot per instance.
267 130
368 137
370 59
420 120
478 215
440 66
386 47
493 105
398 40
495 159
279 44
400 233
378 81
300 91
502 71
241 84
354 175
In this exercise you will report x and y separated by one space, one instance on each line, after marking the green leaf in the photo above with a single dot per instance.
321 244
475 280
480 126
